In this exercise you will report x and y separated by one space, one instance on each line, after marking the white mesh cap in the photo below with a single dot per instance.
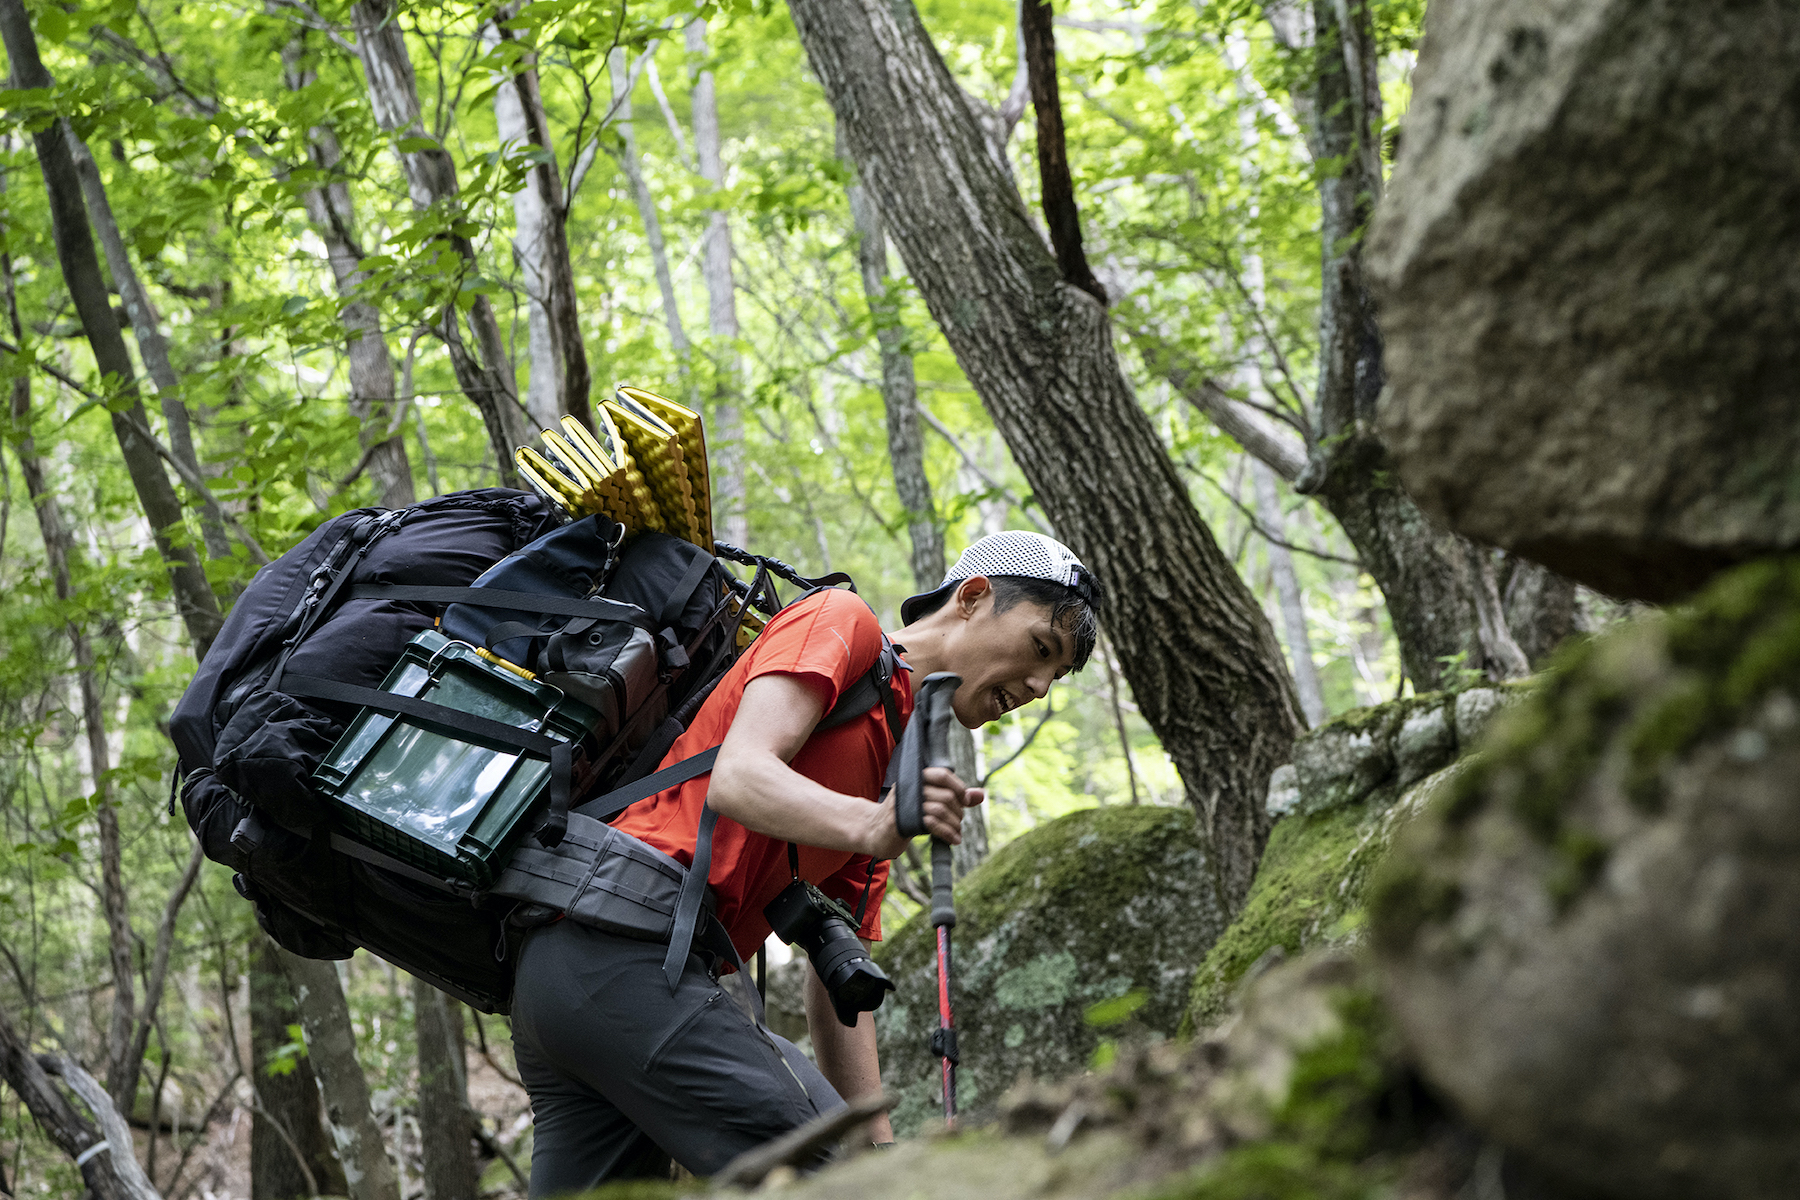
1015 552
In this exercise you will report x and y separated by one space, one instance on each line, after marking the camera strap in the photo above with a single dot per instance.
862 906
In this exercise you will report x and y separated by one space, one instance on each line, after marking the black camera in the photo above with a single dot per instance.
804 916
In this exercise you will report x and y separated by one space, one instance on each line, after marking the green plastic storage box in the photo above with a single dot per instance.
447 807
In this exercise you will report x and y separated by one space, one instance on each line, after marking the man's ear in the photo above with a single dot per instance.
969 594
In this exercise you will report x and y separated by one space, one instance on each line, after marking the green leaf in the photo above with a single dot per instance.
1117 1010
415 144
53 24
293 306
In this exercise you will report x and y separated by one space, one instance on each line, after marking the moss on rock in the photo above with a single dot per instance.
1309 891
1602 899
1085 909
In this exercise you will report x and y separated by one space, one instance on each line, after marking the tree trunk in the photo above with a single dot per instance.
484 372
76 1135
333 217
1540 608
906 453
290 1154
541 242
721 302
1287 589
445 1129
618 65
153 348
194 598
344 1090
1202 660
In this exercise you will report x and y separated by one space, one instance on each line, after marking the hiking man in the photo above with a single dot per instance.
622 1074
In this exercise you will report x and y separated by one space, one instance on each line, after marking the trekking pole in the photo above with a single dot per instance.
935 714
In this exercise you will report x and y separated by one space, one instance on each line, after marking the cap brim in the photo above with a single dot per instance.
925 603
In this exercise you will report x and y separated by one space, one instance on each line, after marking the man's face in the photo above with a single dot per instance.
1005 659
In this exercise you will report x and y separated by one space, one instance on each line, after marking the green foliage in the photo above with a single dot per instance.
208 125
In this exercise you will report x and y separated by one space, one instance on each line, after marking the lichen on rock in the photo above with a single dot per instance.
1086 909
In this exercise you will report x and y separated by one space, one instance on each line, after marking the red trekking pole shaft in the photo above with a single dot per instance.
935 699
943 917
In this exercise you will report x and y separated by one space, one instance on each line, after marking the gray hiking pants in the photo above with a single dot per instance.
623 1076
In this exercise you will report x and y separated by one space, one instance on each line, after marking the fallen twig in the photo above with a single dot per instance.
753 1166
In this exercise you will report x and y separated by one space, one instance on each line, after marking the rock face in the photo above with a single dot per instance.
1093 907
1586 270
1357 779
1590 943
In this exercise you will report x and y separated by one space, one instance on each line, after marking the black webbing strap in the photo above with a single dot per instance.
352 546
388 862
684 591
480 730
493 734
533 602
687 904
620 799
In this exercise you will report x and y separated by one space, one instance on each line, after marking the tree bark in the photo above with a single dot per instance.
1540 609
194 598
721 301
541 242
333 217
54 1114
1201 659
619 68
1287 590
1038 39
484 372
290 1155
906 454
153 348
343 1089
445 1129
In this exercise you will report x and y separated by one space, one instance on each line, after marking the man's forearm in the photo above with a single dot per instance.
847 1057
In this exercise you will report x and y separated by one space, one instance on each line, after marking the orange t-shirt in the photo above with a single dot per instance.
829 639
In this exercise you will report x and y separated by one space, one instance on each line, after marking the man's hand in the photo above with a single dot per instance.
945 799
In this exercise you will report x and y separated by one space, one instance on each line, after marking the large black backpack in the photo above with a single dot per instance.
639 628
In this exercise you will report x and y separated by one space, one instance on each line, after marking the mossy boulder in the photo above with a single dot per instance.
1305 1094
1365 773
1110 904
1589 939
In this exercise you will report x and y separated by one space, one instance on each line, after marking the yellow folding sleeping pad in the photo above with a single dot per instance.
644 467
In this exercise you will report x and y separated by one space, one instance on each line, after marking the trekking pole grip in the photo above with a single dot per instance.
935 700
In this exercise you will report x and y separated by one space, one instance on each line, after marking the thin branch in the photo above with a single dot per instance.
662 102
314 20
1262 531
943 431
1049 711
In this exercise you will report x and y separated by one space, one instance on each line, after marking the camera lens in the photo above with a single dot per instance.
803 916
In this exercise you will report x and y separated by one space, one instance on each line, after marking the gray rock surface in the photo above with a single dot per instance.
1590 943
1586 266
1284 790
1426 742
1092 907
